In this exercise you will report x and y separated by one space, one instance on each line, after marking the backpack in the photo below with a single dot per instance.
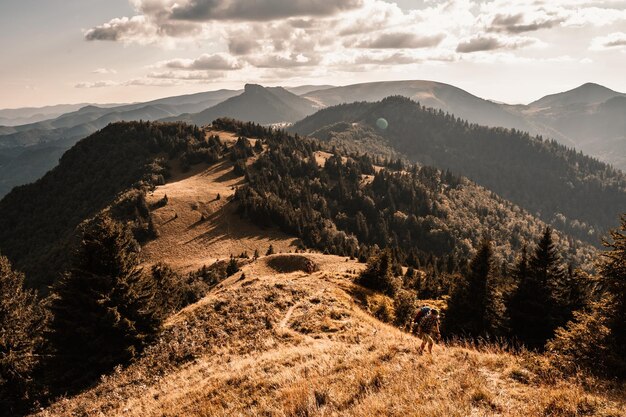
422 312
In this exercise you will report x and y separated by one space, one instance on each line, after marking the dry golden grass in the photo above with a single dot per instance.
196 229
294 344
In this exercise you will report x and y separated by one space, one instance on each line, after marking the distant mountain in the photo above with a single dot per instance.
27 115
586 94
304 89
29 151
32 153
591 118
575 193
167 106
264 105
430 94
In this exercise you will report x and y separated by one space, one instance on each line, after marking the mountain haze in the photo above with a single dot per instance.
264 105
429 93
589 118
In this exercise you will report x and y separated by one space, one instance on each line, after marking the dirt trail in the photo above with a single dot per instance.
196 228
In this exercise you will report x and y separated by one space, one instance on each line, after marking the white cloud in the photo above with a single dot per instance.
610 41
246 38
218 61
104 71
96 84
193 75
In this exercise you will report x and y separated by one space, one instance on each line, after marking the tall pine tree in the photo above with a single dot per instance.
534 308
596 337
473 308
99 309
612 267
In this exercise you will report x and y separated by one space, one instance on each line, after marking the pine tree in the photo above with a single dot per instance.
534 310
378 275
99 315
612 267
473 308
22 322
595 338
270 250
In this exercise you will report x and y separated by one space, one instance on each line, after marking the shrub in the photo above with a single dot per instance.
404 306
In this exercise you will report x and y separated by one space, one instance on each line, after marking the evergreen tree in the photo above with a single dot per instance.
99 315
270 250
595 338
473 308
612 267
378 275
22 321
534 310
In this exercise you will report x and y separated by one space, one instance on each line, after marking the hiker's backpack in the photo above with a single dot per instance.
421 314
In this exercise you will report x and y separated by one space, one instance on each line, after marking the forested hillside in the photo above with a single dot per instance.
337 203
573 192
345 204
38 221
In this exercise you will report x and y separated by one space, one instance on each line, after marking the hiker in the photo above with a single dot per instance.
421 313
428 330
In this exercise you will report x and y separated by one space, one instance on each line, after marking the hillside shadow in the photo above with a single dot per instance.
225 224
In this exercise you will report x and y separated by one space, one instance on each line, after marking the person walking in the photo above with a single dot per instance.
428 331
421 313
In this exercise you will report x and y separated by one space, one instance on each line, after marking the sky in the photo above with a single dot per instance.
120 51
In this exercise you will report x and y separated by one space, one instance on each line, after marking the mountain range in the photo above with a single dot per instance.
589 118
557 184
187 214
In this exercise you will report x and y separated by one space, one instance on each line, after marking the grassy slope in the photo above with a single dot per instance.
281 343
196 229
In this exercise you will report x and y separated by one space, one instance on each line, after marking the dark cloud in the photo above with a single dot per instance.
483 42
516 23
240 46
260 10
401 40
479 43
614 43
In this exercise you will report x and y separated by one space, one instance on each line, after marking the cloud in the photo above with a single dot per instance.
121 28
218 61
487 42
242 46
104 71
284 61
258 10
248 38
611 41
401 40
195 75
520 22
96 84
